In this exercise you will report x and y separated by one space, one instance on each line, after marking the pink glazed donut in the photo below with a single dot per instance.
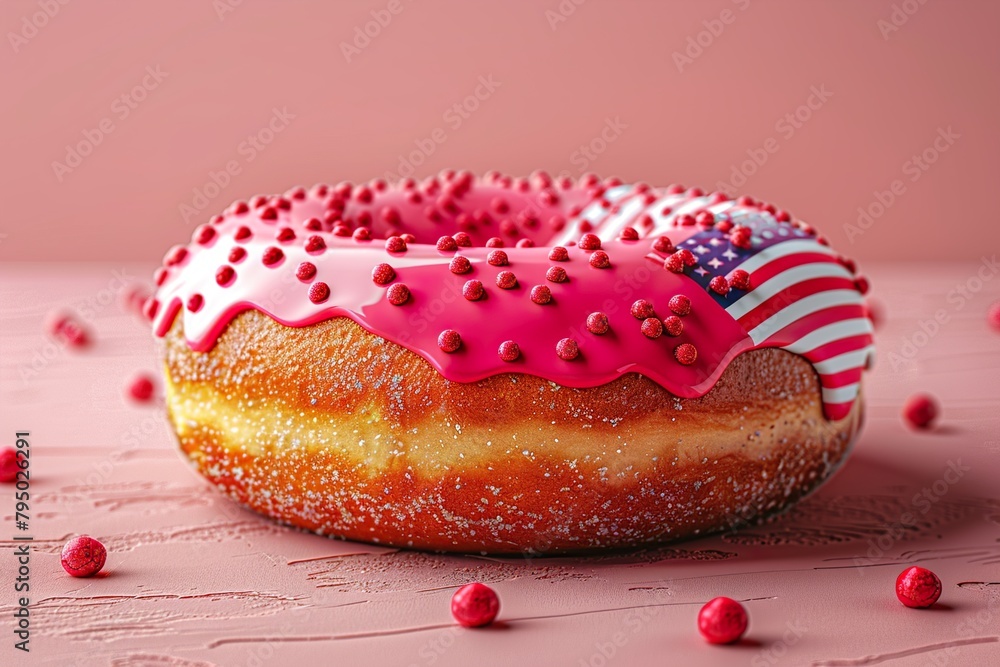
504 364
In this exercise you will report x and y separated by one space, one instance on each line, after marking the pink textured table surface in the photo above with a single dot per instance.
192 579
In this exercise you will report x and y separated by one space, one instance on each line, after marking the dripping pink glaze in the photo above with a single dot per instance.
537 209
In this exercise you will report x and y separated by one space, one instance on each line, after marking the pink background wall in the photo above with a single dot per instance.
891 96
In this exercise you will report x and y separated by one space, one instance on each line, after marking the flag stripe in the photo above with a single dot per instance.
783 300
784 249
798 274
802 308
829 333
844 361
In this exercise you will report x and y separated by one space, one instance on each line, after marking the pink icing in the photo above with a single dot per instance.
316 226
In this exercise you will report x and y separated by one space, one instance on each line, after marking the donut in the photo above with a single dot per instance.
511 365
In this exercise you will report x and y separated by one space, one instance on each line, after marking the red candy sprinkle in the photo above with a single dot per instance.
237 254
459 265
272 256
917 587
680 305
674 263
687 257
558 254
383 274
141 387
920 411
629 234
362 234
175 255
719 285
204 234
652 327
686 353
8 464
315 244
269 213
600 260
556 274
395 244
642 309
83 556
740 237
306 271
993 316
496 242
449 340
589 242
285 234
225 275
673 325
475 605
319 292
541 295
705 218
663 244
506 280
722 621
685 220
446 244
525 243
398 294
509 351
462 240
473 290
149 308
567 349
739 279
497 258
597 323
195 302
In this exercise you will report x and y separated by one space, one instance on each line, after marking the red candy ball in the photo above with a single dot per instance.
319 292
141 387
680 305
83 556
918 588
541 295
509 351
383 274
398 294
920 411
642 309
475 605
722 621
473 290
686 353
597 323
567 349
652 327
449 340
993 316
8 464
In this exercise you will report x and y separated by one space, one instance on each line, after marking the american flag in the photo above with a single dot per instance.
803 299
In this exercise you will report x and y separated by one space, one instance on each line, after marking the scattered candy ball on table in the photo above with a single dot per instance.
917 587
8 464
920 411
83 556
66 328
722 621
140 387
993 316
475 605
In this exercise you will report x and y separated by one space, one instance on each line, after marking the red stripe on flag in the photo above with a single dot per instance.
790 295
